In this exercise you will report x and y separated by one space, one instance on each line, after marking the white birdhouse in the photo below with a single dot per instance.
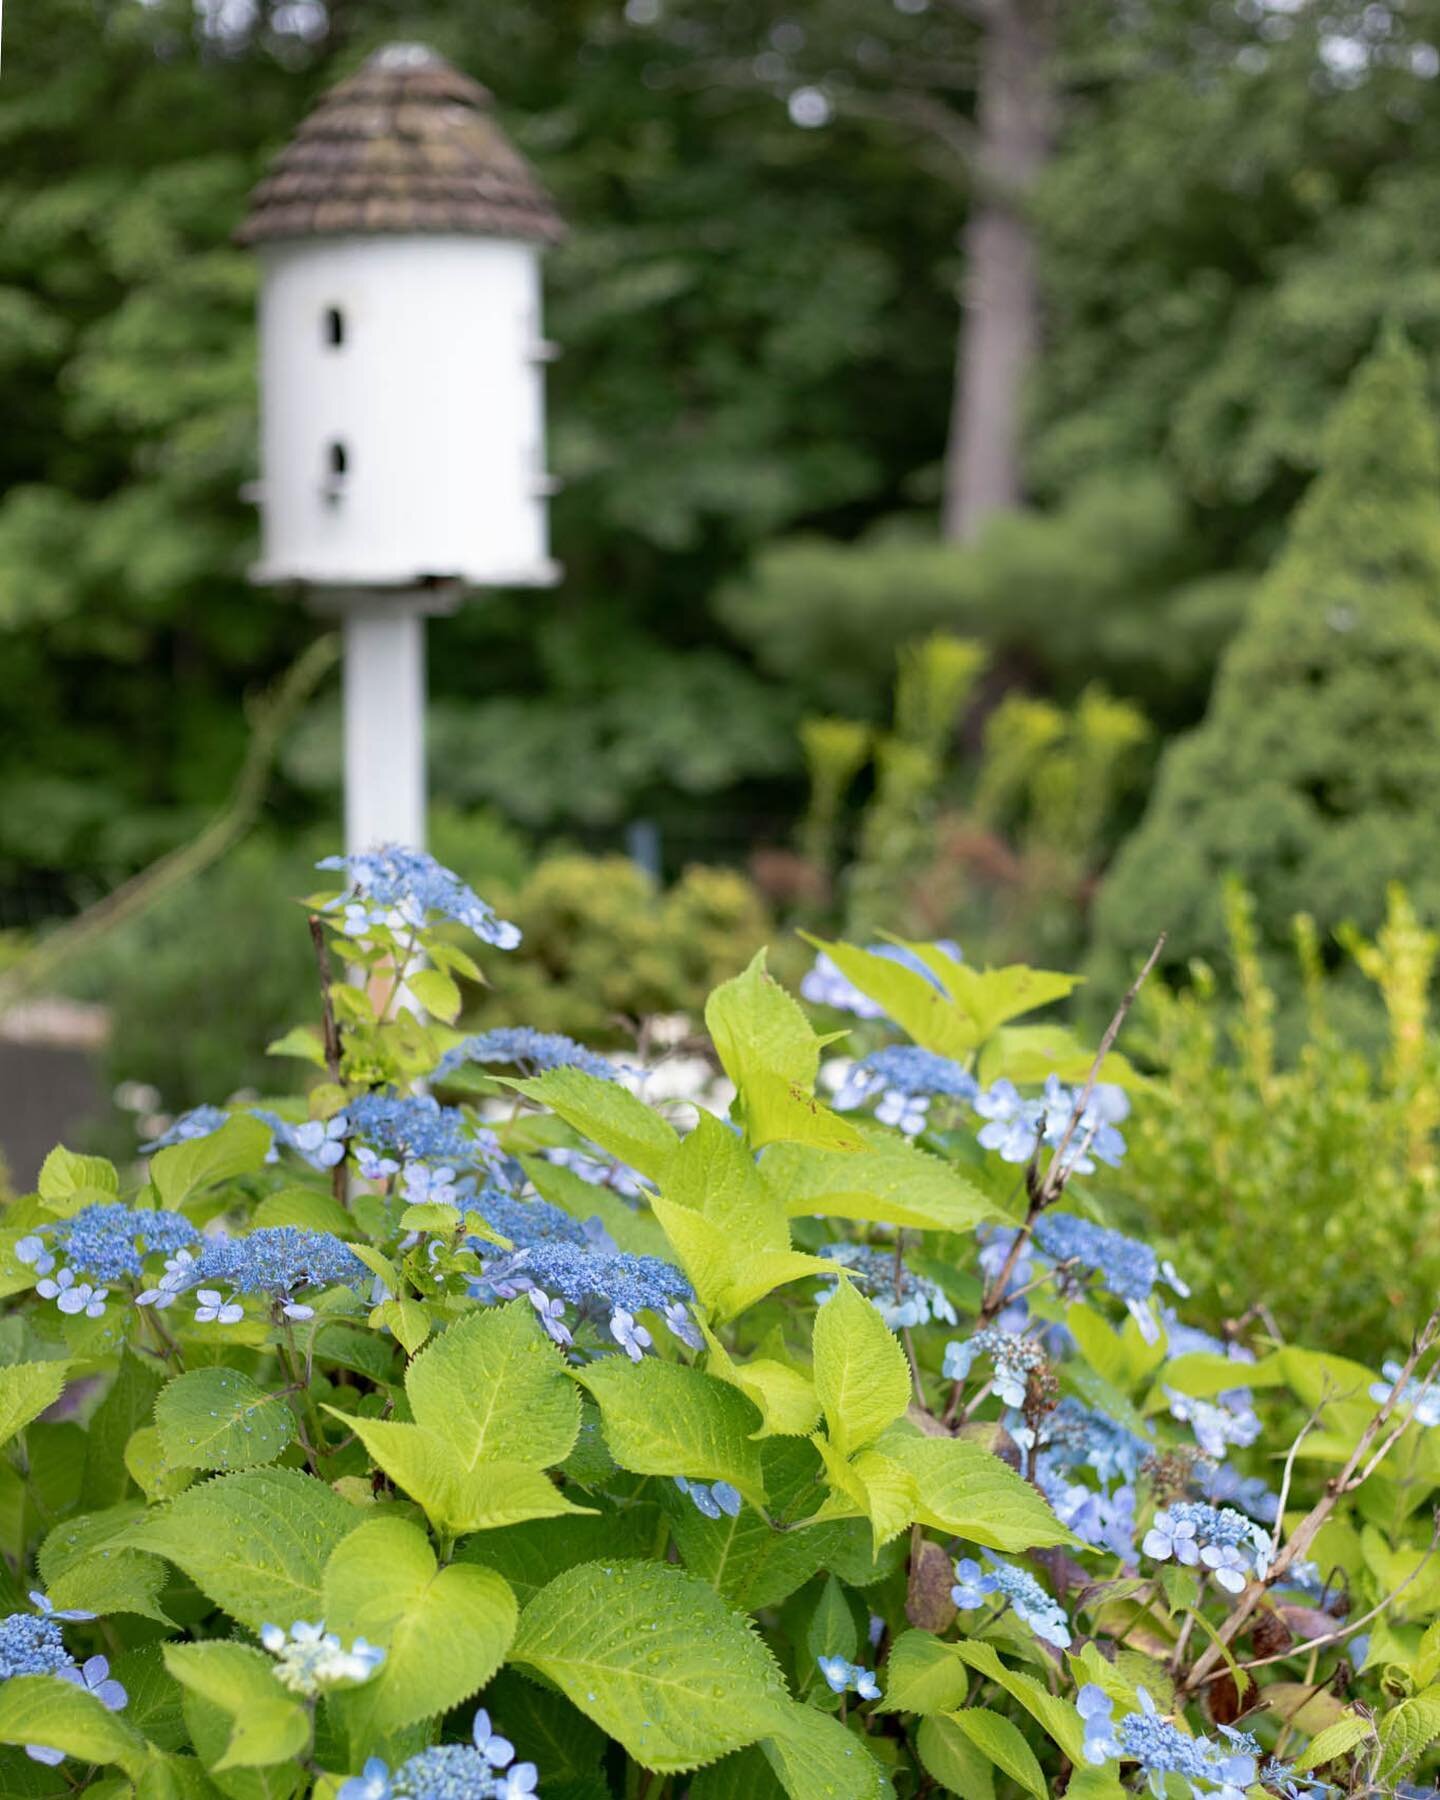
401 352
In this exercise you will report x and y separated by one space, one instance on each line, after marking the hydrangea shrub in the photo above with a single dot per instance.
373 1447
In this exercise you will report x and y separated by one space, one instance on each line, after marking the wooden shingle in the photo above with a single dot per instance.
407 144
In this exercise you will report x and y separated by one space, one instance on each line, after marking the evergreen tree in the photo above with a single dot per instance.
1314 775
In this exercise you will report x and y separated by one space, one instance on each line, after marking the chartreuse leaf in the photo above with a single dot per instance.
992 997
1055 1716
870 1486
37 1709
666 1419
1335 1740
437 992
908 997
81 1565
816 1758
1407 1731
862 1380
457 1500
607 1114
382 1583
784 1397
128 1406
266 1725
220 1419
256 1543
26 1389
832 1630
146 1465
64 1173
656 1658
892 1183
951 1758
962 1488
1001 1742
237 1148
494 1389
728 1272
770 1051
923 1675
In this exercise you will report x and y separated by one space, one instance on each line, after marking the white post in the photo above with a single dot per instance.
384 697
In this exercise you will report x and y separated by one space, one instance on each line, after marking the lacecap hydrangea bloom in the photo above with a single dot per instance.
277 1260
1013 1359
522 1047
418 1129
906 1079
842 1676
309 1660
395 883
1218 1538
1167 1754
901 1300
1126 1267
974 1585
483 1769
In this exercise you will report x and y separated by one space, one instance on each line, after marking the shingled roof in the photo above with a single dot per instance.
408 144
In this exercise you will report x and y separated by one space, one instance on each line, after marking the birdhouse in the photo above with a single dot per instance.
401 352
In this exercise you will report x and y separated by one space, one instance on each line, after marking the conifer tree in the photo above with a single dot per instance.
1315 774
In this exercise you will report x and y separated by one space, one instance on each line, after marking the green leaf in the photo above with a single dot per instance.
1406 1731
923 1676
26 1389
145 1462
996 1738
494 1389
383 1583
238 1148
667 1419
892 1183
1055 1716
266 1725
37 1709
407 1320
831 1630
816 1758
915 1004
220 1419
949 1756
256 1543
992 997
307 1209
862 1379
64 1174
962 1488
530 1555
114 1581
457 1500
655 1658
727 1271
437 993
1334 1741
784 1397
607 1114
126 1409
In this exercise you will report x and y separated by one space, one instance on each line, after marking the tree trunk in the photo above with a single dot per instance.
1000 295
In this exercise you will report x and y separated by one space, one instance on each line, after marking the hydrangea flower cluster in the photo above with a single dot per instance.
418 1129
1126 1267
524 1222
1039 1610
1162 1749
1014 1360
522 1047
309 1659
843 1677
1218 1538
606 1286
1104 1520
277 1260
824 985
105 1242
907 1079
917 1301
712 1499
1015 1126
1228 1418
409 885
483 1769
1421 1396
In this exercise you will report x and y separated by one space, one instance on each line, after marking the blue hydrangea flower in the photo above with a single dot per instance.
93 1677
907 1079
1013 1124
522 1047
373 1167
71 1296
47 1609
199 1122
841 1676
176 1280
483 1769
321 1141
918 1300
427 1186
1226 1485
1225 1541
373 1782
1424 1399
599 1171
1105 1521
1126 1267
1077 1435
410 884
32 1251
552 1316
108 1241
212 1308
310 1660
1163 1749
1030 1602
1097 1713
524 1222
713 1500
32 1646
633 1339
277 1260
418 1129
1229 1418
1013 1359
